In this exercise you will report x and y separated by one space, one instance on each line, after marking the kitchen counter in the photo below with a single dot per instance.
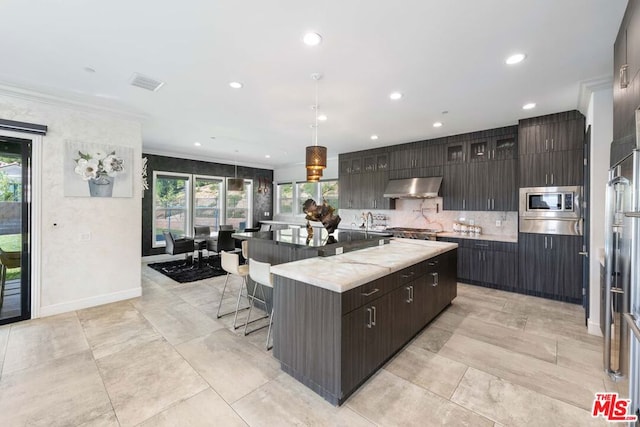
341 273
491 237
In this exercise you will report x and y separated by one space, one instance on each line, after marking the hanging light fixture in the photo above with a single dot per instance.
316 155
235 184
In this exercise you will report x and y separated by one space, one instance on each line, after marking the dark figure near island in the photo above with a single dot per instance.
325 214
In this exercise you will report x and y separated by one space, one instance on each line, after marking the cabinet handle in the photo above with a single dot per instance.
368 294
373 308
550 242
551 178
624 79
545 178
551 144
546 145
435 279
432 263
463 204
488 204
493 204
370 323
411 293
484 245
408 300
545 242
405 276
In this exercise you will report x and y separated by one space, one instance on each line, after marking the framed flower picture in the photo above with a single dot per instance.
97 170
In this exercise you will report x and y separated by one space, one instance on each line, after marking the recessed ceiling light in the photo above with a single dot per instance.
374 137
516 58
322 117
529 106
197 144
395 95
268 156
312 39
437 124
90 70
235 85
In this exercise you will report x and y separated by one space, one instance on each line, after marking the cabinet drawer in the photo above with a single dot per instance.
409 274
368 292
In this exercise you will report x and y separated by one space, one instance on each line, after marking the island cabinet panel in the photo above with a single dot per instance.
332 342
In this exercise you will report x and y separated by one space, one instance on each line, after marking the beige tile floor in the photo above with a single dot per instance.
491 359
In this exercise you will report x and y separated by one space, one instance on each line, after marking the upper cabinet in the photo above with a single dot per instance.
417 160
626 83
363 177
552 150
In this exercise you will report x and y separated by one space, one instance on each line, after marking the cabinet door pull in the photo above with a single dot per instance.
408 288
432 263
493 204
373 307
435 279
406 276
411 293
488 204
368 294
546 178
545 242
551 178
624 80
550 242
551 144
369 323
546 145
463 204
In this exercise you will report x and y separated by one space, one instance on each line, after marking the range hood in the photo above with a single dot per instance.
413 188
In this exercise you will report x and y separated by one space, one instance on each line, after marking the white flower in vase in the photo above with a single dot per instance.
112 165
87 169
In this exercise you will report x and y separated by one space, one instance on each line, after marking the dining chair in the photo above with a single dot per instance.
224 243
265 227
231 264
178 246
226 227
201 233
7 260
260 272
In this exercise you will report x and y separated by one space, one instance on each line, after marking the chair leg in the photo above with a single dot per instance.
251 302
218 315
244 285
269 331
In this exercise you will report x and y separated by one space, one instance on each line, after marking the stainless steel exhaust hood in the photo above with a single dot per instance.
413 188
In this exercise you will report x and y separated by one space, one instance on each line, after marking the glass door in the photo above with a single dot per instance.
15 214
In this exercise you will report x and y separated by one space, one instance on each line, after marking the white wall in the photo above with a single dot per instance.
77 273
600 117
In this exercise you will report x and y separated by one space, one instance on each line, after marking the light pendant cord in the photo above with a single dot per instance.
316 109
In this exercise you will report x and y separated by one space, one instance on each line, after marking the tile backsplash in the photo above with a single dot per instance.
428 213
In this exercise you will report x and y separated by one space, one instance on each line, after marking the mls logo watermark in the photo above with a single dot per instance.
612 408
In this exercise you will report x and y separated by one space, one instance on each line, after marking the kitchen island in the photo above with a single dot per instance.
338 319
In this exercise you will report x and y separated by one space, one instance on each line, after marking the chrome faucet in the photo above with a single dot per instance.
366 223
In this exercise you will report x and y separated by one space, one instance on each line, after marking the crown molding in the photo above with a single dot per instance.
587 87
76 103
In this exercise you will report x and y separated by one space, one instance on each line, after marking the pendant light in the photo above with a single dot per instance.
235 184
316 155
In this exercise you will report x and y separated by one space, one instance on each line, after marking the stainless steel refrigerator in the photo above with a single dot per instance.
621 299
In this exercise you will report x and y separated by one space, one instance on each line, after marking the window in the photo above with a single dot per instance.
327 190
238 207
208 201
307 190
285 198
170 204
181 201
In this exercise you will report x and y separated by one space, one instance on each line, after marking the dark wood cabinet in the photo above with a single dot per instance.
417 160
551 150
626 85
487 263
550 266
454 187
363 177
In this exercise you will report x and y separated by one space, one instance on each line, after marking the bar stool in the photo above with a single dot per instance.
245 251
260 272
231 264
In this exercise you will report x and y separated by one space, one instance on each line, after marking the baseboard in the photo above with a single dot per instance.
594 328
66 307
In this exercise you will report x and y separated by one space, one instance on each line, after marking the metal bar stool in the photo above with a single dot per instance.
260 272
231 264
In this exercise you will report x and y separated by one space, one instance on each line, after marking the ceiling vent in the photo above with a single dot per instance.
145 82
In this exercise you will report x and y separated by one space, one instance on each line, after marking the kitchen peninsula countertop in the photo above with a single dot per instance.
341 273
492 237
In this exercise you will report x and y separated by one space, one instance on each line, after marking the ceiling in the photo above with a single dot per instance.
442 55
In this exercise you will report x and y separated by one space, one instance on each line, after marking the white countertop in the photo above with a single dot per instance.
301 223
340 273
492 237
